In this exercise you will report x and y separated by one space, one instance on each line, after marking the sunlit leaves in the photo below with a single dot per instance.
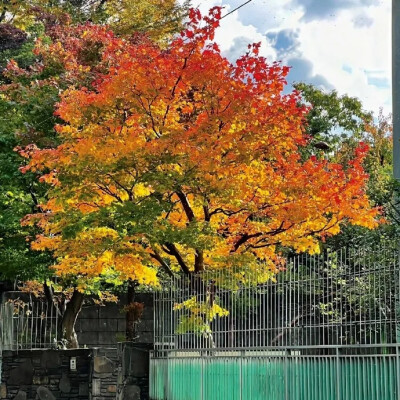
177 158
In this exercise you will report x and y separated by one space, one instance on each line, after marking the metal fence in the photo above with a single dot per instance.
278 375
345 297
28 325
326 327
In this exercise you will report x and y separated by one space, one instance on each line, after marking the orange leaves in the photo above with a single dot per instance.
175 157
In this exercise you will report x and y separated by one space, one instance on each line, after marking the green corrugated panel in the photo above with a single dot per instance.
368 379
184 379
265 378
158 379
222 378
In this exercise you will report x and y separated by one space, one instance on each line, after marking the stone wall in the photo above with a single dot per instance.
83 374
46 374
133 371
105 374
101 372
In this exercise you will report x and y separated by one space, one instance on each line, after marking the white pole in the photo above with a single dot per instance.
396 86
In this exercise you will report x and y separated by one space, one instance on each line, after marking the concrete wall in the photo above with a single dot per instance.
104 326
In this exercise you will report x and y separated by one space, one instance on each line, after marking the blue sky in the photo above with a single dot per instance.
334 44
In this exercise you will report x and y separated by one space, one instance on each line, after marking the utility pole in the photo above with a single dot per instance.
396 86
396 117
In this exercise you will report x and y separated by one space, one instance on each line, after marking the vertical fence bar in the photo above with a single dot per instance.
323 319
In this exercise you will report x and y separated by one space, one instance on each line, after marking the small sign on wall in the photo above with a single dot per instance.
72 364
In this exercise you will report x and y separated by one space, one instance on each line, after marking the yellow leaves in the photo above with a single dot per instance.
131 266
203 308
142 190
196 316
159 19
307 244
96 234
230 147
46 243
237 126
34 288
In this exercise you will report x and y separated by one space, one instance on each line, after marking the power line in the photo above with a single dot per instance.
237 8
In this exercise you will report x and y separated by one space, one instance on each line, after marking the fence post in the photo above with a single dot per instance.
287 374
338 383
242 395
397 370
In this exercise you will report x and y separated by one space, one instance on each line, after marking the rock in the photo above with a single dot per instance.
131 392
44 394
3 391
21 375
112 389
39 380
50 359
96 387
103 365
65 383
21 395
84 389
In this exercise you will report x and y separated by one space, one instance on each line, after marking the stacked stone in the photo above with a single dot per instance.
133 371
45 375
105 374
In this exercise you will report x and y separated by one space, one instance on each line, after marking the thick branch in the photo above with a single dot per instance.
156 255
199 261
207 215
174 251
244 238
48 292
186 206
128 192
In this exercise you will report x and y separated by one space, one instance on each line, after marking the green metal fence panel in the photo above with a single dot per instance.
188 380
259 377
159 379
286 377
221 378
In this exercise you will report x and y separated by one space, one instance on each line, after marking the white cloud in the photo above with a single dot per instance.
342 43
233 36
363 50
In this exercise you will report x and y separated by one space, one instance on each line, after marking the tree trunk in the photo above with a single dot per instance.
130 314
71 312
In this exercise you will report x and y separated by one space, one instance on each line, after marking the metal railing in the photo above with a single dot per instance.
31 325
326 327
345 297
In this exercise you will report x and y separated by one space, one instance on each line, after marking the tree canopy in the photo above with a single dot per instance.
175 158
37 41
158 19
336 124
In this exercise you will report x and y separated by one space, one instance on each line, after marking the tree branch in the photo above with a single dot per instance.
156 255
174 251
186 206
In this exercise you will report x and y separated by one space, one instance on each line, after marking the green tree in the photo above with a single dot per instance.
37 39
336 124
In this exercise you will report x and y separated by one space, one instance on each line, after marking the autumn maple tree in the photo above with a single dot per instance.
175 159
46 46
